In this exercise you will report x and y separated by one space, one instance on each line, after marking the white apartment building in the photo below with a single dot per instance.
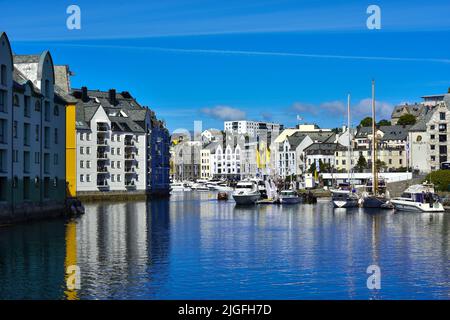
113 135
254 128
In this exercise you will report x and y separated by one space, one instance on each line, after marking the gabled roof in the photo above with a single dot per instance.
322 148
396 132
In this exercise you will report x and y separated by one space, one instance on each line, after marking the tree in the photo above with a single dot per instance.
384 122
440 179
406 119
366 122
361 164
380 165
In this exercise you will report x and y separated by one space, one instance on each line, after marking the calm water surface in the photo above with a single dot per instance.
193 247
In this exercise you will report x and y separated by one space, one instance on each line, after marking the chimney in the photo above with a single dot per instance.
84 94
112 97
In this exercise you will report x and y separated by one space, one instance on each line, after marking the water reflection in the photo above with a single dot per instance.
194 247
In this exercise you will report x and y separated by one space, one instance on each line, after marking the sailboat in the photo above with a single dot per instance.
376 195
343 196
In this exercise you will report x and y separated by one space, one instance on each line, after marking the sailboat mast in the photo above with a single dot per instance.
349 159
374 144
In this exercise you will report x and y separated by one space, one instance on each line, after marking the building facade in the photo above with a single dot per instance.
121 147
32 132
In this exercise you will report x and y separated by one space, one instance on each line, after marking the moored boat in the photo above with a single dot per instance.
289 197
246 193
418 198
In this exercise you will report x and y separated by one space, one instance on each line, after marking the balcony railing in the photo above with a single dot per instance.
129 156
102 156
102 169
130 170
102 185
129 143
130 184
102 127
102 142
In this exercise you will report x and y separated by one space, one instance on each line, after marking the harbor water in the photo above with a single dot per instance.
192 246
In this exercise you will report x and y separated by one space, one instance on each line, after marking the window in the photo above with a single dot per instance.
113 177
37 106
443 150
15 125
432 127
88 150
118 178
432 137
3 74
3 101
2 131
56 110
112 164
26 162
88 164
55 159
37 157
37 132
81 164
26 107
47 111
88 136
441 115
82 136
26 134
432 147
419 138
88 178
47 88
113 151
400 161
16 102
118 151
56 136
442 128
81 177
46 137
442 138
118 165
81 150
15 154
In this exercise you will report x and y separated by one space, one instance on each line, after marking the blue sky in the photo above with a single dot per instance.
261 60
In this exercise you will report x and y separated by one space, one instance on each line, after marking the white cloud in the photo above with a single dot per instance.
224 113
361 109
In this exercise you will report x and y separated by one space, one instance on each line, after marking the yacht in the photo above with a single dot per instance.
179 186
289 197
344 197
200 187
246 193
379 200
419 198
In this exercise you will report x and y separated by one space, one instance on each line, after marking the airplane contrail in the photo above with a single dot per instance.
264 53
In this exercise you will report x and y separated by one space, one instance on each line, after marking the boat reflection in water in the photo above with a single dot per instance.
195 247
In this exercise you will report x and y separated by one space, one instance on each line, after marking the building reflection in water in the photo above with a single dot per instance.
118 245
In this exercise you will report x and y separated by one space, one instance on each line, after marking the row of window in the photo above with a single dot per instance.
114 178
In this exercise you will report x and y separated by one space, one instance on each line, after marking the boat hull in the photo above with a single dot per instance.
349 203
416 206
246 199
290 200
375 202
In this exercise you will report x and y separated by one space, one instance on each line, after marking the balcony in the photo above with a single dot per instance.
102 142
102 127
102 170
130 185
129 156
102 185
129 143
102 156
130 170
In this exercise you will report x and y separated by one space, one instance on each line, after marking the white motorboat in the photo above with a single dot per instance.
246 193
200 187
289 197
223 187
418 198
179 186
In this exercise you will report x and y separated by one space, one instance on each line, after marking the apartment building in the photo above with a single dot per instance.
121 146
32 132
186 160
254 128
